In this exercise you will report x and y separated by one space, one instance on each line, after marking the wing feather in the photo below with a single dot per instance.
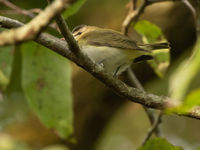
110 38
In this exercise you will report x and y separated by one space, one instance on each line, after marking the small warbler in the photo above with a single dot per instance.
111 49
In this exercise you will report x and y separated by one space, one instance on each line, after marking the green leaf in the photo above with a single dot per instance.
192 100
159 144
161 61
46 81
15 74
152 34
3 80
184 74
13 106
6 58
73 8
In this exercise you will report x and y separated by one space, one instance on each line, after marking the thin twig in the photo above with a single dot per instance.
36 10
135 82
17 9
34 27
158 1
119 87
134 2
67 35
149 113
153 128
192 9
133 16
131 74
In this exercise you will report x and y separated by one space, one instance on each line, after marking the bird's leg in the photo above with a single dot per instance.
117 70
101 63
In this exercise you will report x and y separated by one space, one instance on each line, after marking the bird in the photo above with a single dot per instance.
111 49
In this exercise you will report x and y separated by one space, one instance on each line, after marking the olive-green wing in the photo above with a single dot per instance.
110 38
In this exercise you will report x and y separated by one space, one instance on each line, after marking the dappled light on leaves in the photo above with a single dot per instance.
152 34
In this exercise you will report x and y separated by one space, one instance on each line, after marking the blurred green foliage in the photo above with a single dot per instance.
159 144
192 99
6 58
30 4
184 74
73 8
152 34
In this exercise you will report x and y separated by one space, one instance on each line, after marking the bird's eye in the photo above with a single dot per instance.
79 33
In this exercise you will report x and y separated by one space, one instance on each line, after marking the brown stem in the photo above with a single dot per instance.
132 16
135 82
153 128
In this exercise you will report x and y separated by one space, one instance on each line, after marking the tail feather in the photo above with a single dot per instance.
155 46
142 58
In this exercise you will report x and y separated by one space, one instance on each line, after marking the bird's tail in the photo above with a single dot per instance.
143 58
149 48
155 46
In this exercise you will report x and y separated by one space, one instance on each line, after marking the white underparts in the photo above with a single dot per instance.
113 60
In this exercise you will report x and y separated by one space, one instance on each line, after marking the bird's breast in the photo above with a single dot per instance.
110 58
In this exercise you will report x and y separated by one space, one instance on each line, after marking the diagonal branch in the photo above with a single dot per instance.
119 87
73 46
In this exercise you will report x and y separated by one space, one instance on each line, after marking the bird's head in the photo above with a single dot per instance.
81 30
